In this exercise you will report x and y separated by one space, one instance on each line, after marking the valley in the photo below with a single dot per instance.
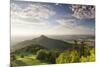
47 50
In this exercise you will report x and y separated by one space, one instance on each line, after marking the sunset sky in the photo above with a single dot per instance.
34 18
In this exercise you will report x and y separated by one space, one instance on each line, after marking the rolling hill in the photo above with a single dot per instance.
44 41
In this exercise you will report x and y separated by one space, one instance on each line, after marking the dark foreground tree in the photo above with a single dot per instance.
13 60
42 54
84 49
53 54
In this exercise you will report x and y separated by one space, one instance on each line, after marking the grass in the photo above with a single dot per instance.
29 60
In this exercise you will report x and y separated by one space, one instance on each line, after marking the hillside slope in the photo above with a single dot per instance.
44 41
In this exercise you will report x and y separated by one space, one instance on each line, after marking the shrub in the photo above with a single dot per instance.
68 57
42 54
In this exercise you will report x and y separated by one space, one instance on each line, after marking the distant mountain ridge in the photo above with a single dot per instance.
44 41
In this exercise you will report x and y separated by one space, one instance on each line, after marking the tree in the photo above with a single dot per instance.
89 58
42 54
13 60
68 57
84 49
52 57
92 55
13 57
22 56
76 42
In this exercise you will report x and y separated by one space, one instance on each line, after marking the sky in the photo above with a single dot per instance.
38 18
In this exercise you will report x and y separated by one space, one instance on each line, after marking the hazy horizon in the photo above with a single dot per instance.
17 39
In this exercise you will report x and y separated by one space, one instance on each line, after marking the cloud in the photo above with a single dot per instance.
36 18
30 18
31 12
71 26
68 23
83 11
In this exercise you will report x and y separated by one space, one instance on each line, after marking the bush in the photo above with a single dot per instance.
68 57
42 54
22 56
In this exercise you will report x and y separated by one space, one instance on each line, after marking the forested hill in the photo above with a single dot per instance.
44 41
